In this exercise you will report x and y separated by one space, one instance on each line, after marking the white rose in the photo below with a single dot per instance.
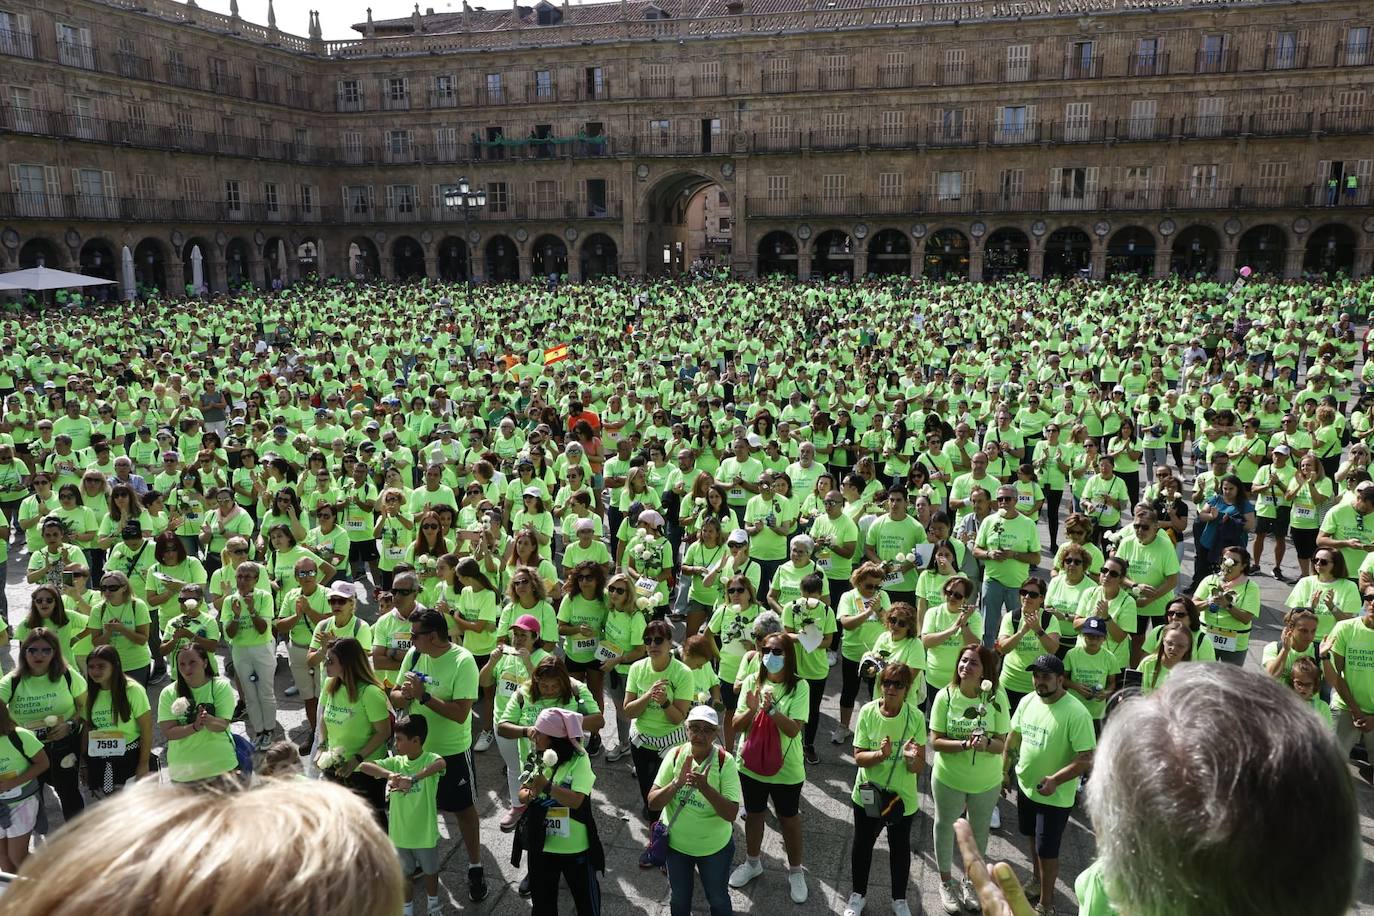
550 758
180 706
985 685
192 604
813 602
642 603
703 697
51 721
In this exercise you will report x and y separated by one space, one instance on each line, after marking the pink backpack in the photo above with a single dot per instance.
762 751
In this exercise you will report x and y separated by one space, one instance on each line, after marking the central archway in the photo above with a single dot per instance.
1006 253
778 255
833 255
689 219
549 256
1068 252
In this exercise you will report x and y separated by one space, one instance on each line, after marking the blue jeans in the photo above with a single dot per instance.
715 875
996 599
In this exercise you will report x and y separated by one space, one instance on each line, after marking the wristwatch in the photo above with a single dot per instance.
424 698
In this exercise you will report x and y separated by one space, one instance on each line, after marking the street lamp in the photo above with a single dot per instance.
463 196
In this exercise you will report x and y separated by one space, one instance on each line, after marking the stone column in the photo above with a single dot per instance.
431 265
1292 261
176 277
1163 253
975 262
1097 261
804 260
256 274
861 260
918 258
526 266
1035 261
1226 263
575 264
1364 259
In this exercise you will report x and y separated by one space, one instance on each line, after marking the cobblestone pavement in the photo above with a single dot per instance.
825 811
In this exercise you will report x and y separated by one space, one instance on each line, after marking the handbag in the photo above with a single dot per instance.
762 749
878 801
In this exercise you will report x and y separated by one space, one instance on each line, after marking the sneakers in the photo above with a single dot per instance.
621 751
841 736
264 741
524 889
483 742
952 895
996 819
477 884
832 657
810 756
594 746
1278 574
512 818
745 872
900 908
855 906
796 880
292 691
970 896
1045 909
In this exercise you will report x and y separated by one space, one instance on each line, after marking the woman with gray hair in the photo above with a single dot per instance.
1189 833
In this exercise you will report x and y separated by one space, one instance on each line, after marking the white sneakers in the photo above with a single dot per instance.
951 895
483 742
797 880
855 906
900 908
746 871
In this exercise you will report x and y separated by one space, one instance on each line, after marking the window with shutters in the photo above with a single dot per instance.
25 117
1013 123
95 193
191 187
83 111
446 144
1271 174
779 187
1077 122
445 92
398 92
660 133
1011 184
950 127
305 199
1284 51
1082 61
1355 51
1202 182
495 90
833 186
350 95
778 77
74 48
1279 112
890 185
1212 56
233 196
836 74
546 197
949 185
1073 187
498 196
352 146
543 84
1210 116
358 199
955 68
894 70
400 199
136 113
1018 64
228 127
893 127
1149 57
145 186
1350 103
1141 124
398 146
271 201
834 127
779 130
301 139
36 190
185 123
16 39
1135 183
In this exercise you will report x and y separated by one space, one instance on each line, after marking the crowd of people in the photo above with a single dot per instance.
644 522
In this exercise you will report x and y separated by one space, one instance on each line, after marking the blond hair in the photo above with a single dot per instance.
156 850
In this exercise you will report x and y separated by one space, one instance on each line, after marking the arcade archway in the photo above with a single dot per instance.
690 224
1263 249
1006 253
1194 253
1330 251
1131 251
777 255
1068 252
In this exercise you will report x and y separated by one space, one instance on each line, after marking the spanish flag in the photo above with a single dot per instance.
555 354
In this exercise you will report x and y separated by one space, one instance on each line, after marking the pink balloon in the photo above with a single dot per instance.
1245 271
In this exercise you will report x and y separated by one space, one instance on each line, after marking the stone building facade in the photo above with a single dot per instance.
1048 137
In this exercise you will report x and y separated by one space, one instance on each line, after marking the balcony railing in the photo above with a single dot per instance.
1352 54
132 66
1082 68
443 98
779 82
1106 199
653 87
509 211
1285 57
225 83
1225 60
182 75
16 43
349 103
896 76
834 80
395 103
267 92
1018 71
953 74
76 54
708 86
1148 64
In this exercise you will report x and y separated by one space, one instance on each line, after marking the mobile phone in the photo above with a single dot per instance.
67 578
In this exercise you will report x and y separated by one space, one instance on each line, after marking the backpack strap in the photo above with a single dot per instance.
18 745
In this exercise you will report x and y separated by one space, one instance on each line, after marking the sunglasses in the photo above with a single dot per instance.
1112 574
1368 596
429 527
1071 561
899 621
1321 561
655 640
1179 615
1006 499
518 583
1030 593
892 684
1142 526
110 587
736 591
44 599
956 595
773 651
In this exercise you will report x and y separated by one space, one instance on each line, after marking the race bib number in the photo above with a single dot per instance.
1223 642
1024 499
605 651
646 586
354 524
892 578
558 822
508 685
395 553
585 644
107 744
823 564
1304 512
398 642
737 493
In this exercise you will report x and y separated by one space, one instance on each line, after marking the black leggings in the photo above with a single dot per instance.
849 683
866 831
813 719
1177 449
646 760
1132 479
1052 501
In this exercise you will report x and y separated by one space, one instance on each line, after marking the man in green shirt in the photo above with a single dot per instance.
439 682
1351 647
1051 743
1008 545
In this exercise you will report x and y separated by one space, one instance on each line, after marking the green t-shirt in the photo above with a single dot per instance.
133 614
1091 889
696 829
479 606
32 699
735 629
652 722
542 610
843 531
413 817
889 537
623 633
797 616
1019 535
795 705
1344 523
767 544
202 624
1051 735
580 611
1090 670
1310 592
1016 675
350 722
562 833
942 658
206 753
891 774
102 711
854 643
954 715
1150 564
239 609
1353 641
451 676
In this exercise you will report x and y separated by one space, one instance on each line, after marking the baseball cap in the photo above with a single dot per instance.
1049 664
531 491
1282 450
1095 626
342 590
703 714
527 622
584 524
738 536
